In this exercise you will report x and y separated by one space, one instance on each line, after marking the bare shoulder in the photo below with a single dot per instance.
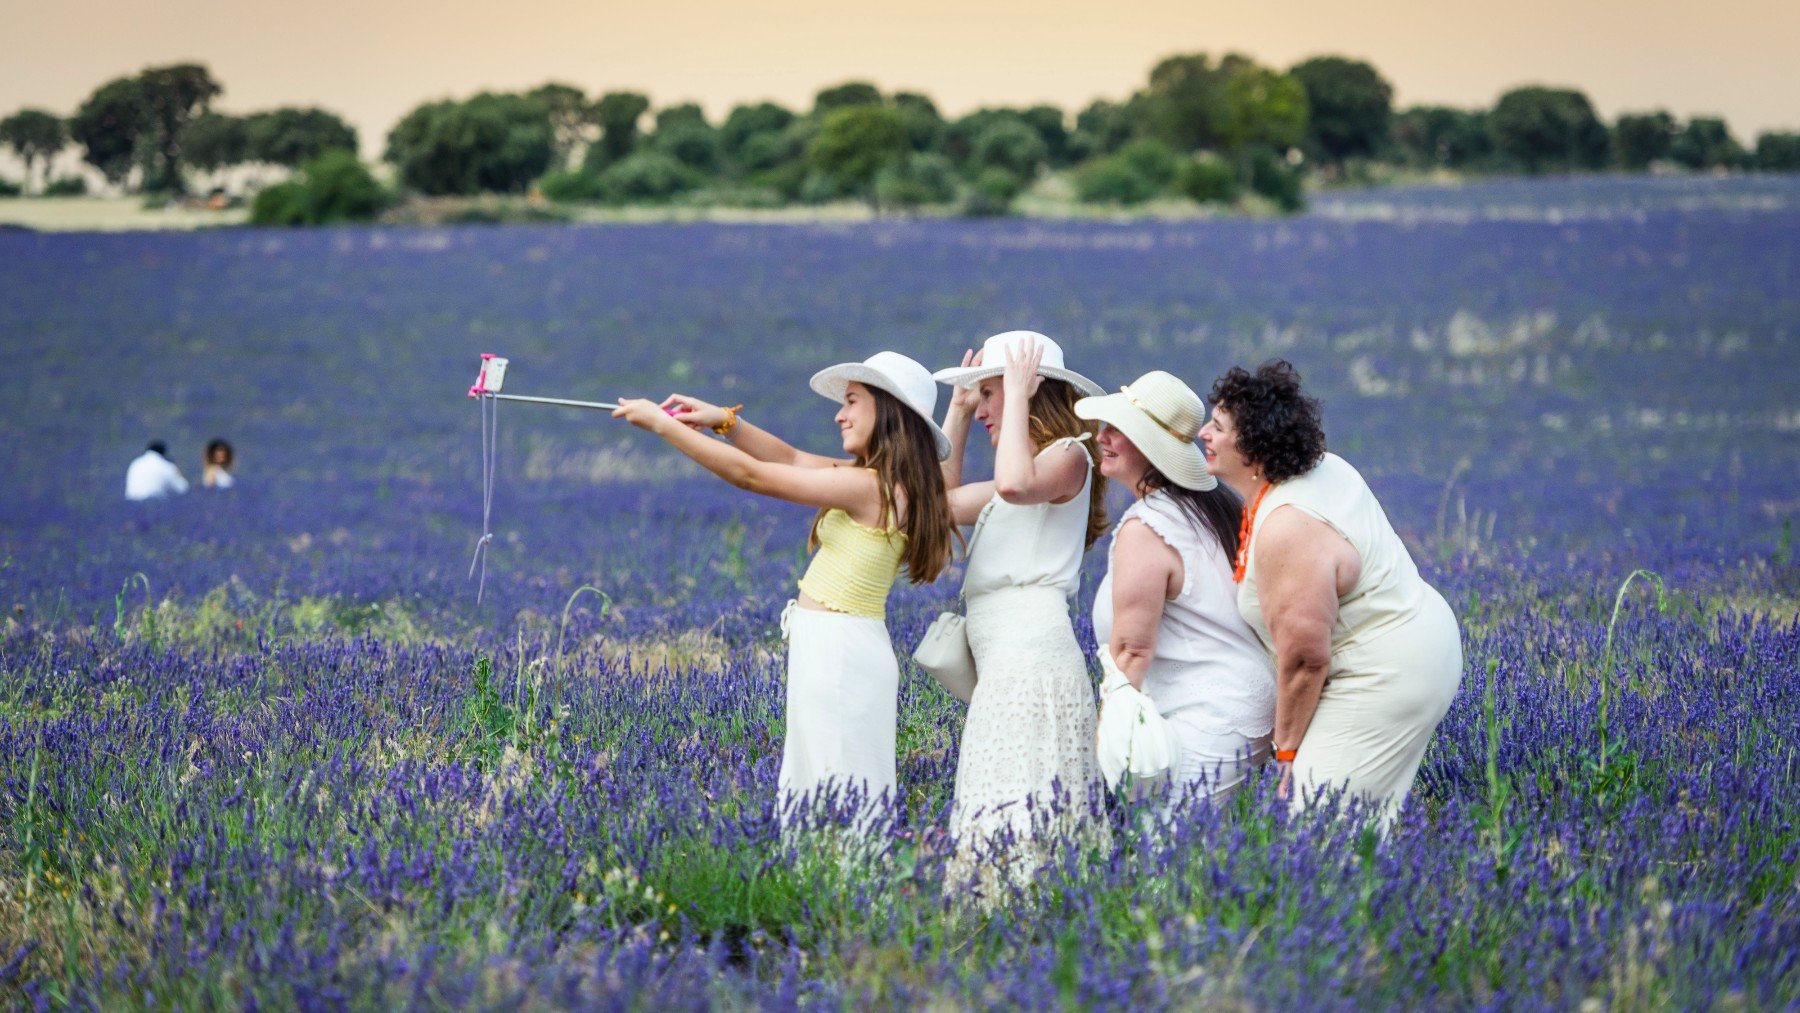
1137 544
869 507
1140 558
1066 455
1289 529
1292 540
1065 464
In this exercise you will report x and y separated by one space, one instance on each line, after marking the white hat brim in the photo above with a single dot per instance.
833 381
1180 460
969 376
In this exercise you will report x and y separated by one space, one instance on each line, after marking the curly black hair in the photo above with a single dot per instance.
1279 428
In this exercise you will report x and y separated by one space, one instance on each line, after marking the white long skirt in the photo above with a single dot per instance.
843 689
1027 761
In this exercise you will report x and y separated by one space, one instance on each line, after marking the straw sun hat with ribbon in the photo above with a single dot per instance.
993 363
1161 416
900 376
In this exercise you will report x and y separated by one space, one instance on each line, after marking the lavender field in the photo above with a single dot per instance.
266 748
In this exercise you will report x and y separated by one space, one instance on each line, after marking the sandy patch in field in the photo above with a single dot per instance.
107 214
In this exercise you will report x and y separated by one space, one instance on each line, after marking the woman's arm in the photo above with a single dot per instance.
967 501
753 440
1300 565
1146 572
854 490
956 423
1020 476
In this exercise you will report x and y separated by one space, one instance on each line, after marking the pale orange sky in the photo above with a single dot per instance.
372 60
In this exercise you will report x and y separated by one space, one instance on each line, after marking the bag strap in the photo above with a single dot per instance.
969 547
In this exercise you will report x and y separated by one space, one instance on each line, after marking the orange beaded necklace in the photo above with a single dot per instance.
1246 528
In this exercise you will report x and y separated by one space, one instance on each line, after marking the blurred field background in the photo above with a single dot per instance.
265 747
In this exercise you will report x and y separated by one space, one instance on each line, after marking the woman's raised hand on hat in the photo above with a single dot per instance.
964 400
693 412
1022 361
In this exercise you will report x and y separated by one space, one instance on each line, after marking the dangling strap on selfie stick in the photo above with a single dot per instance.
490 441
487 389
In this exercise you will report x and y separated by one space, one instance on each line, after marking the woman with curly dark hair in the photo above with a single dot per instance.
1367 655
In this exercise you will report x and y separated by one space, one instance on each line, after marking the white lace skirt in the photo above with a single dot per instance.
842 706
1027 759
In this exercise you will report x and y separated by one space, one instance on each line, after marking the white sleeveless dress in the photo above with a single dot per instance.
1396 651
1027 762
1210 679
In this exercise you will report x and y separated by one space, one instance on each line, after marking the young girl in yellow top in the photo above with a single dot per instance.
882 508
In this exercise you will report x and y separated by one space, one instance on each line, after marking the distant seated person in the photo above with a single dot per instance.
217 474
152 475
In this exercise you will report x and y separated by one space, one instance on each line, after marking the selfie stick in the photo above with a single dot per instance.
493 375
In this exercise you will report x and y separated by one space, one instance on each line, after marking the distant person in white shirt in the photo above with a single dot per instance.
152 475
218 461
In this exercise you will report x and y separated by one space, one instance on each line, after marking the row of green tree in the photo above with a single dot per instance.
149 129
1208 130
1205 129
1538 130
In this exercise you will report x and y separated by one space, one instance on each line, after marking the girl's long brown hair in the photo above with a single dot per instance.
1052 418
903 452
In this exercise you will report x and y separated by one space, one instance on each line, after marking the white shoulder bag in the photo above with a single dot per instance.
944 650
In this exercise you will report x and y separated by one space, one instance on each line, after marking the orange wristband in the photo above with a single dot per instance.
724 428
1285 755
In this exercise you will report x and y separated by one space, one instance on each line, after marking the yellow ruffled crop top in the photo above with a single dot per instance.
854 567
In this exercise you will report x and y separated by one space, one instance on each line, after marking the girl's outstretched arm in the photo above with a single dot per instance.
757 442
848 488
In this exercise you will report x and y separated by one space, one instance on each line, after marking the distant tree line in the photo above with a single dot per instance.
1203 129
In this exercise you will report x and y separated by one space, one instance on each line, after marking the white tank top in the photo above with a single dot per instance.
1209 664
1389 591
1031 545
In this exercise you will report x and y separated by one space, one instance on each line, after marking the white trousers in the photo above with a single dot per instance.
1212 764
843 688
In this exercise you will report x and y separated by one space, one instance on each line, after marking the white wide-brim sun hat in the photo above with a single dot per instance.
1161 416
993 363
897 374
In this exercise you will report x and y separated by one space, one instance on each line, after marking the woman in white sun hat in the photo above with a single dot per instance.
1026 765
881 508
1166 616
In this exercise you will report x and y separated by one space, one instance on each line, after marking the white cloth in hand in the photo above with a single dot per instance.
1133 738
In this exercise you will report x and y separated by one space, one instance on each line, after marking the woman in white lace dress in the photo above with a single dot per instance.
1026 766
1166 615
